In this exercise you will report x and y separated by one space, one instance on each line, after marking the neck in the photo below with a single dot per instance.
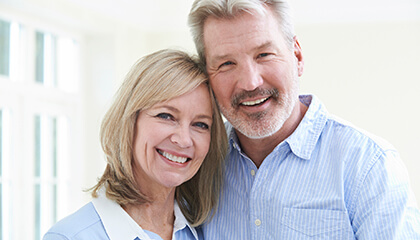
258 149
156 216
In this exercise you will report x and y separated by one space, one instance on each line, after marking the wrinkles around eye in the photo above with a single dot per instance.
225 64
166 116
202 125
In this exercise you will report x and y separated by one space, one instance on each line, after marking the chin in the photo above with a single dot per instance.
171 181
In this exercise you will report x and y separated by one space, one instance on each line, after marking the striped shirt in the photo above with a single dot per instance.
328 180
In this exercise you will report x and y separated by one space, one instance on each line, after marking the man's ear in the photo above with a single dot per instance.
299 56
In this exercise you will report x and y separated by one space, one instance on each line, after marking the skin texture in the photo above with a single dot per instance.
254 75
179 127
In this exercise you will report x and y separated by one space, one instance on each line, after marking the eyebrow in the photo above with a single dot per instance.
219 58
263 46
170 108
257 48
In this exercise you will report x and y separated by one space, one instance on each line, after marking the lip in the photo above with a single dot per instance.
263 104
254 102
168 153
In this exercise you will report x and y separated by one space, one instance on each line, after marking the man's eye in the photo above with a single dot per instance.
166 116
263 55
202 125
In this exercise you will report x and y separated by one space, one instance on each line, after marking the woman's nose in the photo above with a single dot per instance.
182 137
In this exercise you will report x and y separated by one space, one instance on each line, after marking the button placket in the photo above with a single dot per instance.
256 209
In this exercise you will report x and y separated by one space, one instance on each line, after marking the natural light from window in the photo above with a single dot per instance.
39 105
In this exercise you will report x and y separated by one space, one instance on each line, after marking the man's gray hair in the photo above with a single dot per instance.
226 9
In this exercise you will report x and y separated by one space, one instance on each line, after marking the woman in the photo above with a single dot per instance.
164 142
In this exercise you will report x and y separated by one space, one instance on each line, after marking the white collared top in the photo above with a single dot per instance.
119 225
104 219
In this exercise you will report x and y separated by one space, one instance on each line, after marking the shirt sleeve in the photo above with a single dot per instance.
54 236
386 207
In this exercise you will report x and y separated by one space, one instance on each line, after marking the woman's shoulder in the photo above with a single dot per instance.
82 224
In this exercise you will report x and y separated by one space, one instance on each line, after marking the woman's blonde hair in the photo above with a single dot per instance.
155 78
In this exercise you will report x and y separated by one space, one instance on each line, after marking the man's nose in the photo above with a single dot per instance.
249 77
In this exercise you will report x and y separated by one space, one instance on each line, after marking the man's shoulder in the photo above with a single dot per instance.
81 222
349 131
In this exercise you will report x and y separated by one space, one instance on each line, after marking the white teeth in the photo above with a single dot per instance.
250 103
173 158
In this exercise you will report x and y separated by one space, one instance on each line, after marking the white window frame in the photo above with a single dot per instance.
24 99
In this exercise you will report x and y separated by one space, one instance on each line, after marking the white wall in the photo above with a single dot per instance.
364 71
368 74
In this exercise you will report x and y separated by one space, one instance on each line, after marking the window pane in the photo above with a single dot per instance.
5 212
45 146
1 210
1 180
1 145
56 63
37 211
37 146
4 47
39 61
46 59
54 204
54 147
45 173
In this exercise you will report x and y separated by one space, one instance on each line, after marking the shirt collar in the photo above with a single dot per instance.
233 138
303 140
120 226
181 222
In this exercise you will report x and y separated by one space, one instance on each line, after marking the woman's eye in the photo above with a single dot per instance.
226 64
202 125
166 116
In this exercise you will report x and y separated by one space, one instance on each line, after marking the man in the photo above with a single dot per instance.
293 171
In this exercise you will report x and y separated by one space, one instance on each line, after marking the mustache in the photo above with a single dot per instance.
237 98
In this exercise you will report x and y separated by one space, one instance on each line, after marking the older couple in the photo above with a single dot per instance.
286 169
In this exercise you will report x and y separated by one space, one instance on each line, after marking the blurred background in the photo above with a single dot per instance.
61 62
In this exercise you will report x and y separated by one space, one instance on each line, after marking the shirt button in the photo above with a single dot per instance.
253 172
258 222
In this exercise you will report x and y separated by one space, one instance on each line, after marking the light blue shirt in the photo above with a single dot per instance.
104 219
328 180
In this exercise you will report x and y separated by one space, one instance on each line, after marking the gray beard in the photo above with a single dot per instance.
262 124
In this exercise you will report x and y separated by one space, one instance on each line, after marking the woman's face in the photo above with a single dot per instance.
172 139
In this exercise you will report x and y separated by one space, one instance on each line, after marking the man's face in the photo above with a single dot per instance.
253 72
